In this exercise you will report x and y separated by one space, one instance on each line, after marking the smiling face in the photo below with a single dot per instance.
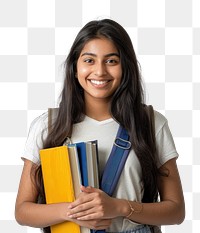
99 69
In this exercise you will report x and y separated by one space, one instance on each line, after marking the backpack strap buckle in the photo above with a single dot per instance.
122 143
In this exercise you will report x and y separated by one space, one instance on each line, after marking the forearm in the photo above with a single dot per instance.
41 215
161 213
95 204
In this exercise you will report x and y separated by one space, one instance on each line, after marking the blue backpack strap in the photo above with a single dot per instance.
115 164
116 161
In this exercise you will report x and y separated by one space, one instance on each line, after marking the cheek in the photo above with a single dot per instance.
118 75
82 74
82 71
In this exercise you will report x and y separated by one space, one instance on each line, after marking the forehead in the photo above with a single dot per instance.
99 45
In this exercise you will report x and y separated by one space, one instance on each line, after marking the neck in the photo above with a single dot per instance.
98 110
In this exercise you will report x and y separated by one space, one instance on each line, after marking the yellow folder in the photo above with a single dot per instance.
58 183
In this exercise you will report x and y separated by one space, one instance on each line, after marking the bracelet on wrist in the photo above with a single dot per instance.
134 210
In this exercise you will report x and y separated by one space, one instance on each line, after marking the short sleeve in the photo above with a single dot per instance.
37 133
164 141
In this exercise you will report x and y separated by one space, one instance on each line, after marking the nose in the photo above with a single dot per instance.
100 69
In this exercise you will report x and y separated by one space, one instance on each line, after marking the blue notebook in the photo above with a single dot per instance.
88 162
81 148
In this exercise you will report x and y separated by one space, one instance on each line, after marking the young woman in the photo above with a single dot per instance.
102 90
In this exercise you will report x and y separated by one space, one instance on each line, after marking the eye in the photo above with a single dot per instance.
112 61
88 60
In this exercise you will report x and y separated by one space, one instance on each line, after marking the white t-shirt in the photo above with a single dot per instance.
129 186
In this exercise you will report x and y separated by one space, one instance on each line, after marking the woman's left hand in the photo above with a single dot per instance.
93 204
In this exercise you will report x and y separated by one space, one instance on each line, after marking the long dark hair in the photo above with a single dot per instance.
127 105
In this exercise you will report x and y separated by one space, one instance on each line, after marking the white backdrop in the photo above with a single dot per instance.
35 36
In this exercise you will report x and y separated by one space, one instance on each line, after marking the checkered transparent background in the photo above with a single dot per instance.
35 36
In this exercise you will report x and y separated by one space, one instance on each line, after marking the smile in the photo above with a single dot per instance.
97 82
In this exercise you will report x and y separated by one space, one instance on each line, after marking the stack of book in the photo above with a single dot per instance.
64 170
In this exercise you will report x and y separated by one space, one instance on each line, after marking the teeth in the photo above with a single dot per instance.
96 82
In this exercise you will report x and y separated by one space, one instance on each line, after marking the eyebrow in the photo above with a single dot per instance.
94 55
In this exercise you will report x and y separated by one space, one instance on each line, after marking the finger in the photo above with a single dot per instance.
88 189
86 217
81 200
94 224
81 211
97 224
88 213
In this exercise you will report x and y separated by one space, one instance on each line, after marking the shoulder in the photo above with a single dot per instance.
164 140
37 133
41 119
40 123
160 121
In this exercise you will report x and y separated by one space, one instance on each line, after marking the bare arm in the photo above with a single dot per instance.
171 209
29 213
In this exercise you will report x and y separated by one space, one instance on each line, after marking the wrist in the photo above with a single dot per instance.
122 208
64 211
134 208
